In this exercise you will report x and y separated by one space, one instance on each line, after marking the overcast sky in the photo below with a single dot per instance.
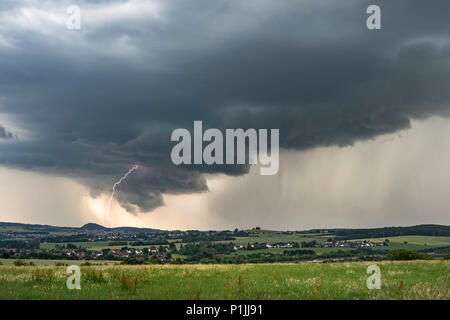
363 114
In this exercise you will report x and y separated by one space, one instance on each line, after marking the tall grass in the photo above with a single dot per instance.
400 280
93 275
42 275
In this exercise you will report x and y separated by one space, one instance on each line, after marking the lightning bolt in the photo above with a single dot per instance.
108 217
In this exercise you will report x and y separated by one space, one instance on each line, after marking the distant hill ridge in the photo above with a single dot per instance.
419 230
424 230
93 226
88 227
97 227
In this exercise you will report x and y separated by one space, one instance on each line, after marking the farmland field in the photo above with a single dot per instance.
399 280
415 240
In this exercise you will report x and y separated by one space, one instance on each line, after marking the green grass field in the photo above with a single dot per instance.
400 280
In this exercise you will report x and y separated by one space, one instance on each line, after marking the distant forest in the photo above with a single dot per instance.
421 230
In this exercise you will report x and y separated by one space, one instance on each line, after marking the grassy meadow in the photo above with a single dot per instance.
399 280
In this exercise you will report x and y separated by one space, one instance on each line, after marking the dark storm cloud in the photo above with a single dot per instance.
5 134
95 101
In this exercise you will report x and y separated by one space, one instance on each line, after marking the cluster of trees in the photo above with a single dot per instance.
422 230
403 254
309 244
32 254
66 238
198 236
154 242
298 252
118 243
20 263
197 252
19 244
6 254
444 250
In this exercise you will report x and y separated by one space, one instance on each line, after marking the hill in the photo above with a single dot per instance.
32 230
93 227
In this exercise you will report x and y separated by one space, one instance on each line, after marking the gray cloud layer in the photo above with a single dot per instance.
5 134
91 103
